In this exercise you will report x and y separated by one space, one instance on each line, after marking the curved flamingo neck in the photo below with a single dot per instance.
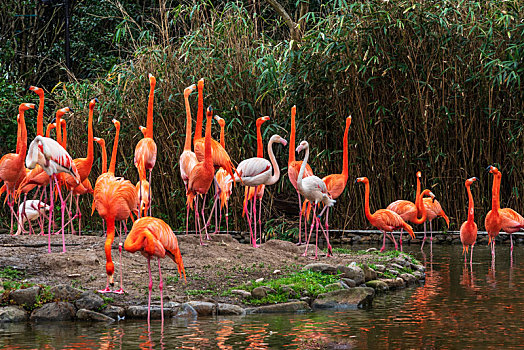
23 134
208 159
418 198
302 168
276 173
345 165
421 208
187 144
470 205
495 192
104 157
291 157
90 146
369 216
58 128
40 116
50 126
112 165
149 124
200 112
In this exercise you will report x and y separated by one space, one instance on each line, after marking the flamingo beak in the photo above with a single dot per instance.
283 141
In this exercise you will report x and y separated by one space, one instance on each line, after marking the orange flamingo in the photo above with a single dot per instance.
152 237
336 183
12 164
468 229
224 180
384 219
146 150
415 213
115 199
188 158
201 176
40 116
434 210
293 168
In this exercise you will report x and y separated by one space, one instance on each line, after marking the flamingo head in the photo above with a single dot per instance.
262 120
62 111
293 111
492 169
152 80
278 138
348 122
209 112
220 121
92 103
470 181
362 179
116 123
303 145
200 84
143 129
100 141
419 174
188 90
37 90
428 193
25 106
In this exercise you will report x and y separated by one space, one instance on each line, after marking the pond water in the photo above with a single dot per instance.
459 306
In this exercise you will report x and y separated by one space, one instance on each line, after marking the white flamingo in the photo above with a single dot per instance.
30 210
259 171
314 190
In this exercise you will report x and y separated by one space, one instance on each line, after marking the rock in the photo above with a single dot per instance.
294 306
380 268
187 311
261 279
396 267
394 283
321 267
420 268
276 244
393 272
408 278
345 298
343 285
378 285
243 293
13 314
89 301
115 312
370 250
276 272
204 308
59 311
369 273
334 286
402 260
229 309
89 315
349 282
65 292
291 294
419 275
262 291
140 311
352 272
26 296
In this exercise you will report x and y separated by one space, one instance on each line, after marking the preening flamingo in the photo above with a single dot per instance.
413 212
256 171
224 180
293 168
336 183
468 229
188 158
145 150
383 219
33 210
12 164
115 199
434 210
201 177
314 190
152 237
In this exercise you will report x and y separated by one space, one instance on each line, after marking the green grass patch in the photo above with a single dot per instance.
11 273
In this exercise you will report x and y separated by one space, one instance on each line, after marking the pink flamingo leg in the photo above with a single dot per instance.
150 190
63 206
383 243
255 245
310 231
51 209
248 221
300 220
197 222
79 215
150 288
140 198
227 220
260 218
392 238
401 230
161 287
39 205
471 256
431 231
121 289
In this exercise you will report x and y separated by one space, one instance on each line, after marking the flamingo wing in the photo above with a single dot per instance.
145 155
254 171
405 209
188 160
220 156
511 220
293 169
335 183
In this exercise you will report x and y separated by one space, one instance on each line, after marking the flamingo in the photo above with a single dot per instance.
293 168
383 219
257 171
468 229
188 158
224 180
115 199
415 213
201 176
434 210
12 164
152 237
250 191
145 150
315 191
336 183
33 210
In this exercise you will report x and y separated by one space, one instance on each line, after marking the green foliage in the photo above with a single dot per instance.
44 296
11 273
199 292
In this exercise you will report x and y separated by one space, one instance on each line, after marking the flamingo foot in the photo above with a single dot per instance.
329 251
382 249
314 257
107 290
119 291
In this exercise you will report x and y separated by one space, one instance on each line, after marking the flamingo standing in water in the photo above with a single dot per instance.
152 237
434 210
336 183
293 168
12 164
384 219
315 191
188 158
145 150
224 180
468 229
201 177
115 199
415 213
257 171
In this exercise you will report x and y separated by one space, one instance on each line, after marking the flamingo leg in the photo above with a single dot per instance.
227 220
197 222
401 231
260 218
121 289
63 206
51 209
41 222
150 190
213 209
70 195
140 198
255 245
327 222
431 231
329 248
161 288
300 220
511 247
203 217
392 238
220 209
79 214
383 243
150 289
248 221
471 256
310 231
187 218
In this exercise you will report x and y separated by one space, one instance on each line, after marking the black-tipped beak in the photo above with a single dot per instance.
476 178
96 100
210 109
434 199
488 168
356 180
53 120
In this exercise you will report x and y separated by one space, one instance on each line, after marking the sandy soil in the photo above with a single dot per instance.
216 267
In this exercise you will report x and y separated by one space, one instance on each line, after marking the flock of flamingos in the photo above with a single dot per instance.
47 162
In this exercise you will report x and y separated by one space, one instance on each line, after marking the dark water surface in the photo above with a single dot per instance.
457 308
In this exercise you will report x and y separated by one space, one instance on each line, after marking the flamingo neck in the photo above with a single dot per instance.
222 135
302 168
112 165
200 113
187 144
369 216
418 198
58 129
470 205
40 116
260 147
421 208
64 135
276 173
49 128
104 157
110 237
23 135
149 124
90 146
495 192
291 157
345 154
208 159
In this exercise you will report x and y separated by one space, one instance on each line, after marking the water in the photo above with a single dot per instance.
455 309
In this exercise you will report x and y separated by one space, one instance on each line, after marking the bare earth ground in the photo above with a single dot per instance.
210 269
